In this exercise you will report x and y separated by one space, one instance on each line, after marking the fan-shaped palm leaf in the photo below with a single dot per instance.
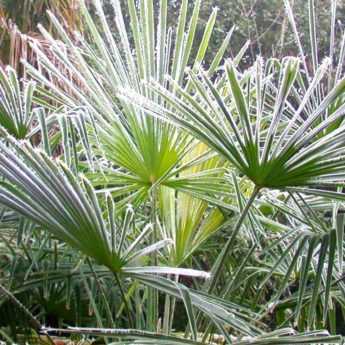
258 124
289 152
16 113
47 193
140 152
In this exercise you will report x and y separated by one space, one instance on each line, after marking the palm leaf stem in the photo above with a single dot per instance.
103 294
125 302
220 261
152 293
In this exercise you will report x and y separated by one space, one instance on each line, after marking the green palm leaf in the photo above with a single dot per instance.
16 113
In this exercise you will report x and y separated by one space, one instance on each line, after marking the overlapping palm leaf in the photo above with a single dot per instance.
268 137
140 152
47 193
259 123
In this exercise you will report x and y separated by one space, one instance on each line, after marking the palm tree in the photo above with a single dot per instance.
140 154
48 194
257 130
275 144
136 139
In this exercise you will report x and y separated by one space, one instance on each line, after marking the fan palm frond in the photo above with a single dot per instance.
16 103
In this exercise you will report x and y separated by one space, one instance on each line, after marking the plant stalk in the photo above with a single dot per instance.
152 317
221 259
218 265
123 296
101 289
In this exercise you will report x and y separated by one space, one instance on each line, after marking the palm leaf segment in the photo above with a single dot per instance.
263 124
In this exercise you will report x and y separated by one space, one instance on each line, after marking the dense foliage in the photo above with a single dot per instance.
160 185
